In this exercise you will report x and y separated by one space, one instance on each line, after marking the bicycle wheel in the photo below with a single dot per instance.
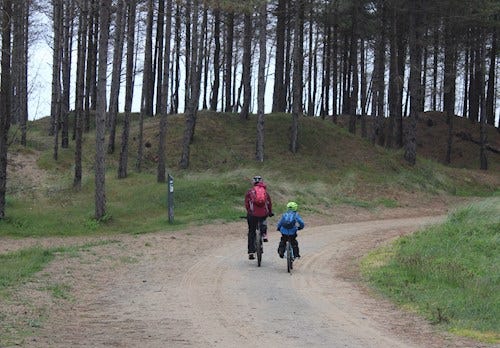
289 257
258 246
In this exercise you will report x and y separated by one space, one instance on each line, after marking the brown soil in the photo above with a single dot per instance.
24 175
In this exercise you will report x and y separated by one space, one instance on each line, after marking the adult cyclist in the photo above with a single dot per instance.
259 206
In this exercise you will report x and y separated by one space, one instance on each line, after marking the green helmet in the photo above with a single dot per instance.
292 206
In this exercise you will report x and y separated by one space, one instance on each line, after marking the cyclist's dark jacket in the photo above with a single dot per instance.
255 210
293 230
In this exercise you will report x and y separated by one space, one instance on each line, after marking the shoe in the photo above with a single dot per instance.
281 254
251 256
297 257
265 239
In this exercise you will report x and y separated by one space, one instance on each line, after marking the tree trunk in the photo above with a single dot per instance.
206 63
149 70
5 96
261 84
378 135
187 16
402 45
80 93
466 82
315 72
129 87
424 68
481 75
90 78
288 70
346 76
229 60
100 158
19 70
159 54
353 62
164 96
279 94
490 97
176 78
474 81
436 69
335 64
310 79
449 71
449 83
237 95
24 78
415 81
67 37
327 57
194 84
116 74
55 104
215 87
363 88
297 74
147 103
393 80
247 66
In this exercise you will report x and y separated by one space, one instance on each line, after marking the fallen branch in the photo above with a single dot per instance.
468 137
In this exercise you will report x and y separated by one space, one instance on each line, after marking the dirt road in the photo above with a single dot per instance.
197 289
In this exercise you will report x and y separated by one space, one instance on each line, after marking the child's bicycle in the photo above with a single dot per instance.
289 254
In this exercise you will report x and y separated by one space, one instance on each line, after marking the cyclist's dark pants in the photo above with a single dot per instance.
252 226
295 245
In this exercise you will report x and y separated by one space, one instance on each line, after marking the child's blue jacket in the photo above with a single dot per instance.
293 230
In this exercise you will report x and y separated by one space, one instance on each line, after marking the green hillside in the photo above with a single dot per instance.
333 168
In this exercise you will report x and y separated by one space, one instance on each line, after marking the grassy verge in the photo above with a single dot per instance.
138 204
332 168
449 273
20 266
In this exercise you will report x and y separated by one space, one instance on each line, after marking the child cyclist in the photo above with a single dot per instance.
288 228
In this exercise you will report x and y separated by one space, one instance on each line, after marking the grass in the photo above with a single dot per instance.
332 167
20 266
450 273
136 204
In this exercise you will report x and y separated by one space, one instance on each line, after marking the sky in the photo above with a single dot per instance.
40 81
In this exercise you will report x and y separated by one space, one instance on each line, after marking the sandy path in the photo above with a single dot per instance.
189 289
234 303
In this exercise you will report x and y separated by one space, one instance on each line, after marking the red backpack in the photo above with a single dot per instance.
259 196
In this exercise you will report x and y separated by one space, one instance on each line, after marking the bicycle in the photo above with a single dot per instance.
259 243
289 254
